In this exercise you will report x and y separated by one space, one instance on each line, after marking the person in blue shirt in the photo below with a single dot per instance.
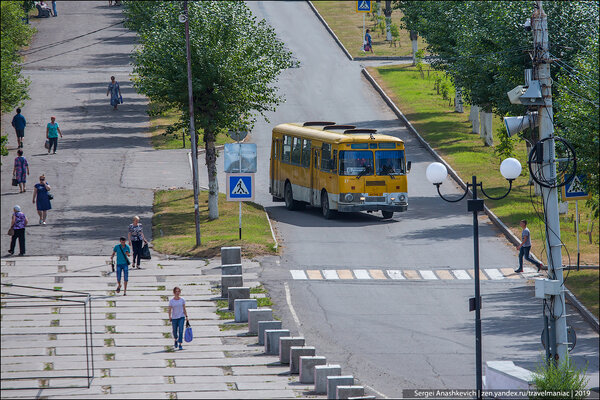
19 123
122 251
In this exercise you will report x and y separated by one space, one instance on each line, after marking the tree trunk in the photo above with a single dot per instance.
379 8
415 46
474 118
388 20
211 167
486 128
458 102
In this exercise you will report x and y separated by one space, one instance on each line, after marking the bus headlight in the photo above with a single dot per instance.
402 198
349 197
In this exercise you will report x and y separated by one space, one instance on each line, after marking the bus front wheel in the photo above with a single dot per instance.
288 196
327 212
387 214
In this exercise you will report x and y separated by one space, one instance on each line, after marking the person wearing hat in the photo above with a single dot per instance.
52 132
18 223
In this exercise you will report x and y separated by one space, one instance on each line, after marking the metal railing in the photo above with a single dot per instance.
22 297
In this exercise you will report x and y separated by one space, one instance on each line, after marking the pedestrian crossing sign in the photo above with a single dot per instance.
363 6
576 189
240 187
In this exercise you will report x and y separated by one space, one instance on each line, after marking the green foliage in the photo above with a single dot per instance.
3 143
15 34
563 378
506 145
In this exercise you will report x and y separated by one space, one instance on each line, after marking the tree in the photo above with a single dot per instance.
235 63
15 34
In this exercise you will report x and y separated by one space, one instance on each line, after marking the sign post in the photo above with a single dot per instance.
240 166
576 190
363 6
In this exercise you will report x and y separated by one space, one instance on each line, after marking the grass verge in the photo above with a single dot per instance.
162 141
341 16
584 285
174 231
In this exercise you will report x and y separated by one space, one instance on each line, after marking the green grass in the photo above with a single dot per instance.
174 230
341 16
162 141
449 134
231 327
584 285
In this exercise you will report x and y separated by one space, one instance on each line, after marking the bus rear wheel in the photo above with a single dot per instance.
327 212
288 196
387 214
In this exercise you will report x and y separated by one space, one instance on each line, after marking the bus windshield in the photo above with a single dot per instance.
356 163
390 162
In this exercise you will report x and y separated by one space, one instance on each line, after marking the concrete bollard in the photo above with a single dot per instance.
295 353
272 339
241 308
345 392
228 281
255 316
334 381
235 293
284 347
231 255
263 326
321 374
231 269
307 367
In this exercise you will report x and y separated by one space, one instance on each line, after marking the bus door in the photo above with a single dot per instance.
275 154
314 178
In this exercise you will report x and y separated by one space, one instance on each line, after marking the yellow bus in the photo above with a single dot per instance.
338 168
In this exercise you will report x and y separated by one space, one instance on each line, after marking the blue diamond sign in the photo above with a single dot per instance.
240 187
576 189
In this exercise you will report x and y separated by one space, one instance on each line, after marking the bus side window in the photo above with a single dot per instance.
296 150
326 157
334 162
305 153
287 148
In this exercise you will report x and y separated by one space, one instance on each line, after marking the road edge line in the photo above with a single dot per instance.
271 226
288 299
331 32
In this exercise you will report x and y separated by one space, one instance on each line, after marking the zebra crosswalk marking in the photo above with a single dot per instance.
377 274
493 273
509 273
298 274
426 274
362 274
345 274
314 274
461 274
330 274
482 276
444 274
395 274
411 274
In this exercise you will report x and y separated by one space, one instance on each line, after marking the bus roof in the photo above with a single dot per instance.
317 133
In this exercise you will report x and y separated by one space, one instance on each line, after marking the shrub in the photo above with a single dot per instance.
562 378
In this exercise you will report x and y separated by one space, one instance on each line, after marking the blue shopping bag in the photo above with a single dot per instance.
188 336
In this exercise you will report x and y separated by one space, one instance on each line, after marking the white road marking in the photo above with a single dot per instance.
461 274
330 274
298 274
395 274
428 274
362 274
494 274
288 299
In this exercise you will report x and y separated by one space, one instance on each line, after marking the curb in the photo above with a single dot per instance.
337 40
272 231
585 313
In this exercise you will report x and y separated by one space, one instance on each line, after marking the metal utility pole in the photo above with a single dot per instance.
555 314
193 138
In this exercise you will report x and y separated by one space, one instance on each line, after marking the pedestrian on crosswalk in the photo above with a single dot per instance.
177 316
525 247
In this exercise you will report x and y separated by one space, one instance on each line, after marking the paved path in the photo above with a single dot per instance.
132 345
105 169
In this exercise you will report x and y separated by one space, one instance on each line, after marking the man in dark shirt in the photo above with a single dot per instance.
19 123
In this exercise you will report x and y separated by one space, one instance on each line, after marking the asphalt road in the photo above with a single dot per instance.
391 335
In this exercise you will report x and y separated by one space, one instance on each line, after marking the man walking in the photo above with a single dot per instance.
525 248
19 123
122 251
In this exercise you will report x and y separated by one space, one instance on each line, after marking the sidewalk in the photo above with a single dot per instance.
137 359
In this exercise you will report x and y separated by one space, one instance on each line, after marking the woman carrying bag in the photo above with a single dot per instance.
177 316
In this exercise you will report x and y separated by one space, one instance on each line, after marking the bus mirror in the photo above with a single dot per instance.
408 165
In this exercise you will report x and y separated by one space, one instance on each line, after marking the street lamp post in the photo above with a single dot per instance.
436 174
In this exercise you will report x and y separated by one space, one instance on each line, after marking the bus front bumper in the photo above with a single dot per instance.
371 207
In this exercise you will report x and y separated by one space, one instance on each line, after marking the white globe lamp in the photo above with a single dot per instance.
510 168
436 173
